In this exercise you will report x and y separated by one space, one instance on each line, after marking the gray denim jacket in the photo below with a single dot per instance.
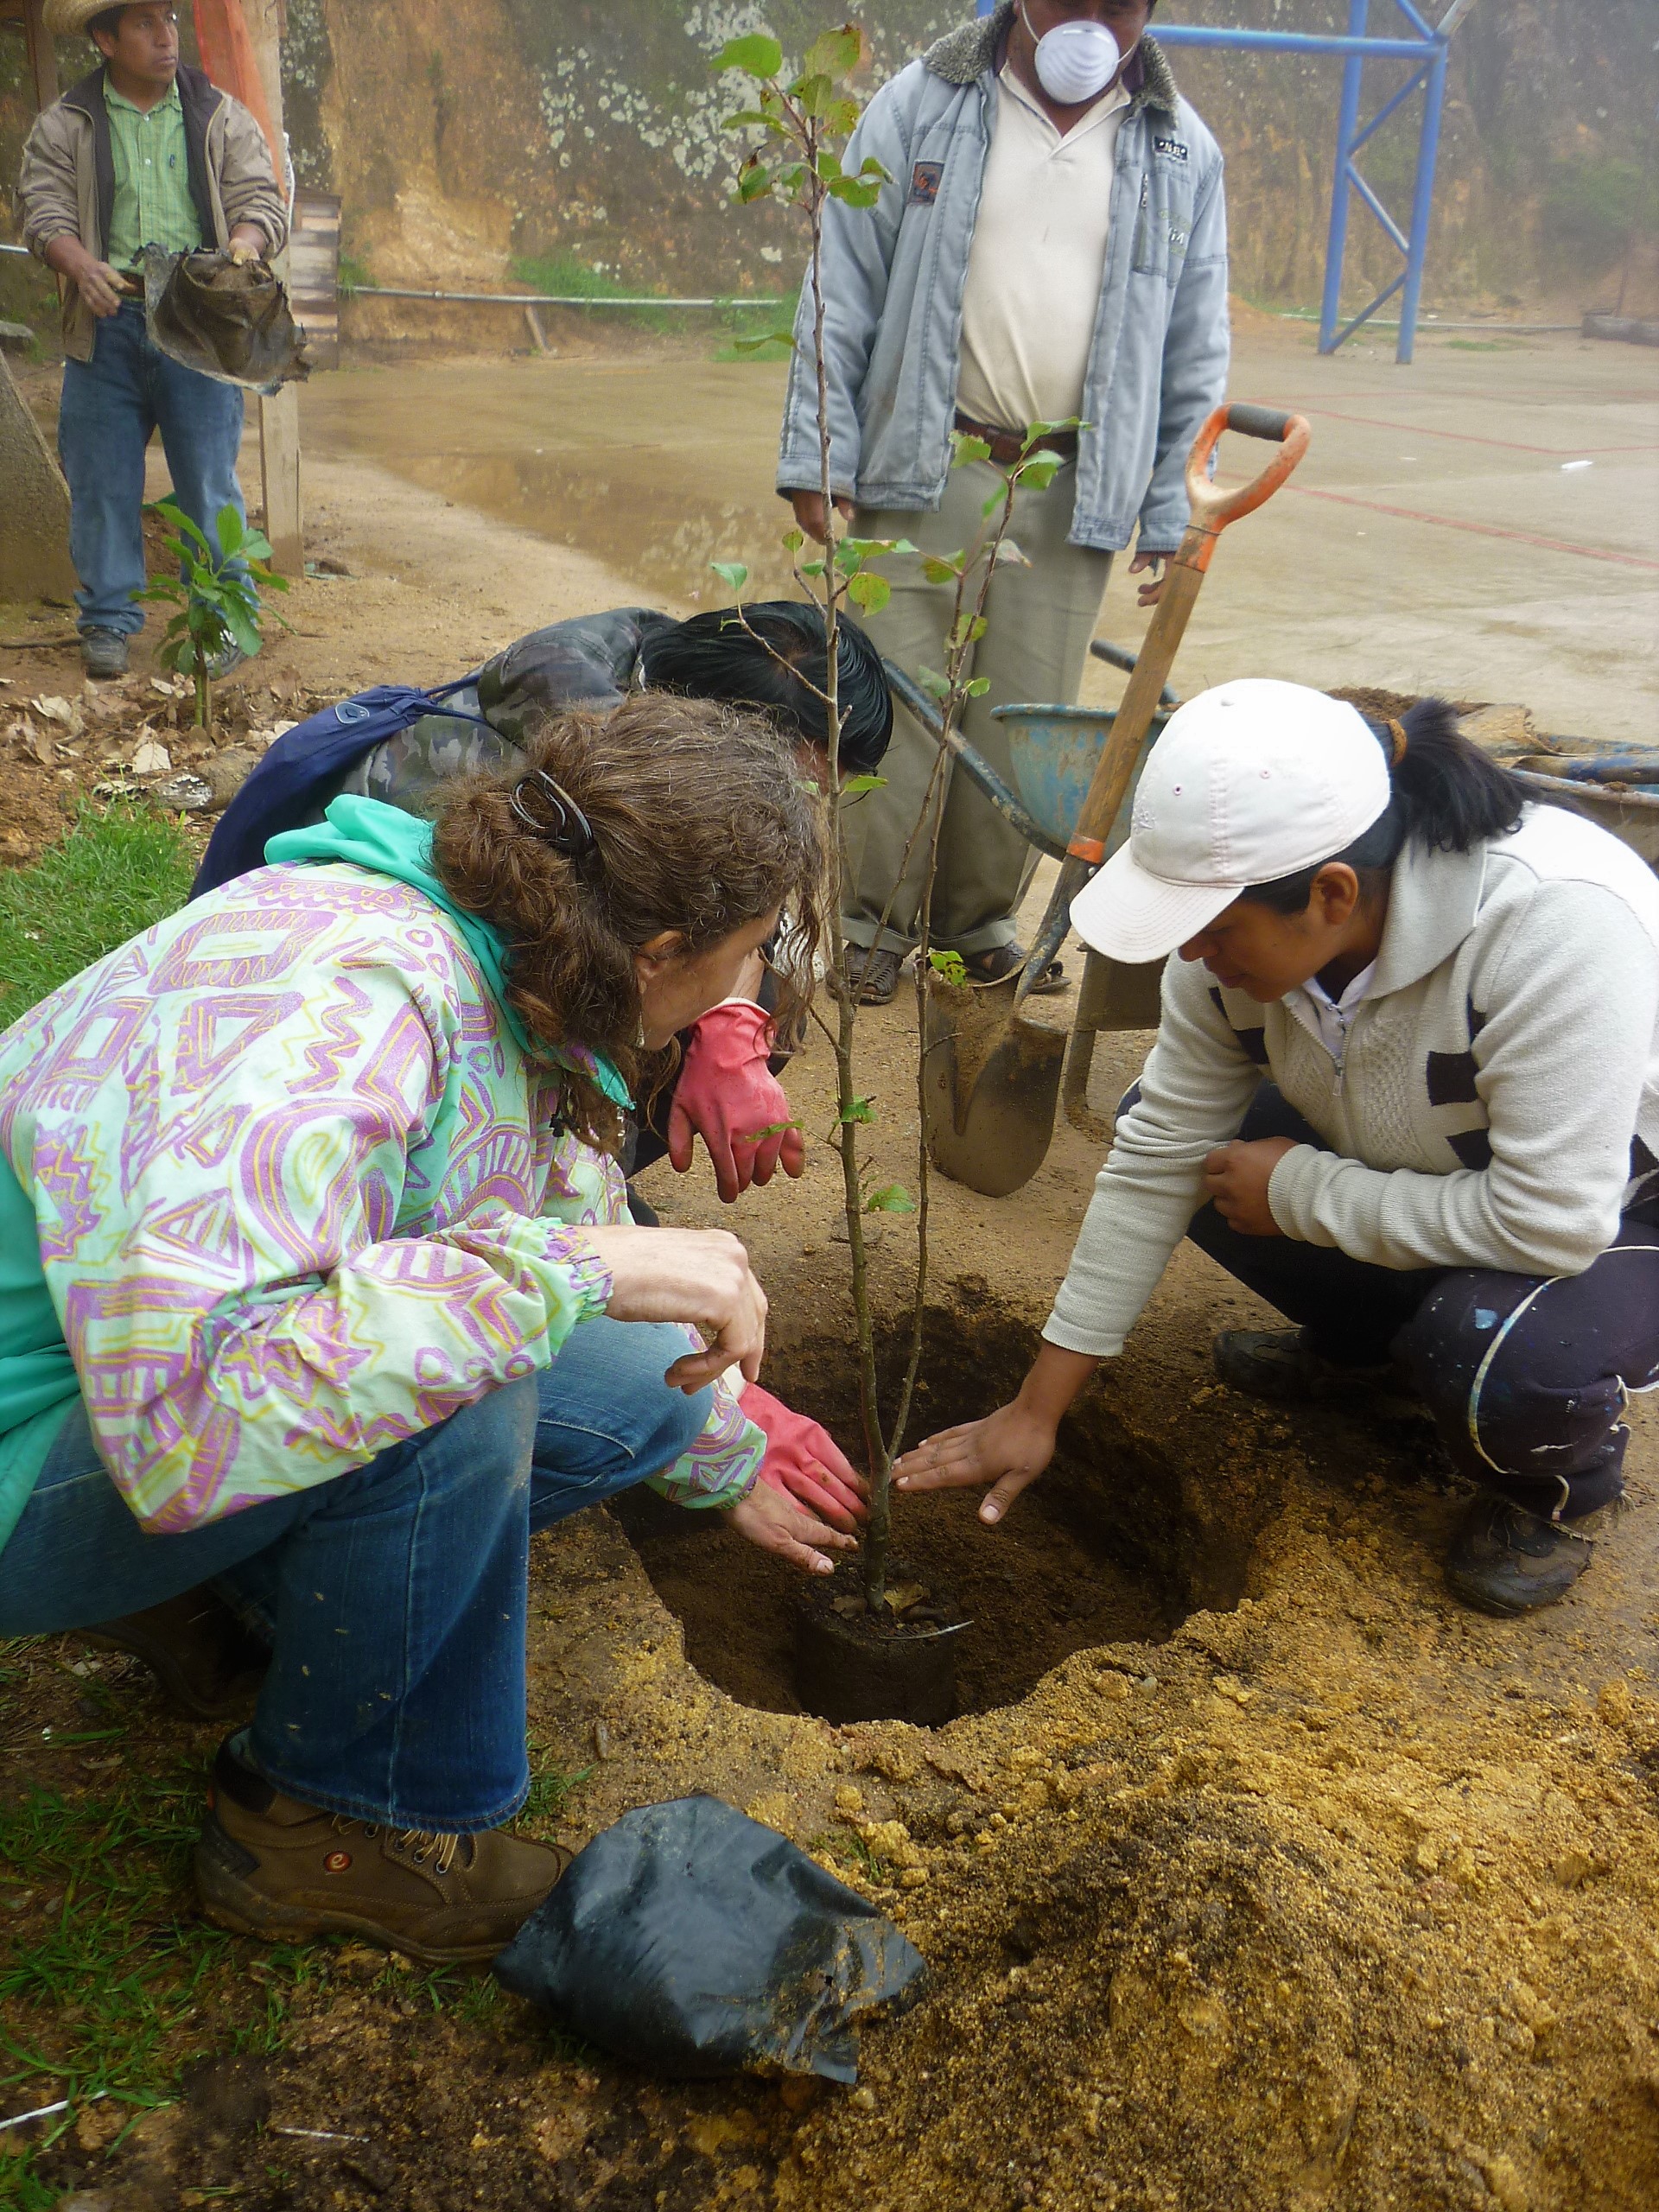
893 279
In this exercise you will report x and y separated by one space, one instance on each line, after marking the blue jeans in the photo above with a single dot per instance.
111 404
395 1594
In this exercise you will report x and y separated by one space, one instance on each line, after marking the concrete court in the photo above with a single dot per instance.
1433 539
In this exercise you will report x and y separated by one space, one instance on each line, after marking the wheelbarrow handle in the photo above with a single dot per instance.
1212 509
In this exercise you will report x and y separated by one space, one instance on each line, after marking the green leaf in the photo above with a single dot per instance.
828 164
230 530
855 786
793 540
771 1129
768 338
812 567
892 1198
747 119
949 967
758 54
965 447
870 167
856 1109
852 193
1039 472
988 507
940 568
733 573
256 545
834 53
870 592
754 180
243 630
931 682
977 686
815 93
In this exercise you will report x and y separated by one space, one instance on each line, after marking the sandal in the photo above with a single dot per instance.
1005 960
873 973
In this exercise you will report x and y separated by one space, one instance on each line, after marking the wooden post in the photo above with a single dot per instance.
279 465
42 55
279 417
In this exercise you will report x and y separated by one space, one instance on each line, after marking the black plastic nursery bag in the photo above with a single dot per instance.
689 1939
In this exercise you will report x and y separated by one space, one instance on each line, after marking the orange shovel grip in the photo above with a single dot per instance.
1213 509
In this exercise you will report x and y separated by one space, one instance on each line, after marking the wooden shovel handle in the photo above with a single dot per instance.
1211 512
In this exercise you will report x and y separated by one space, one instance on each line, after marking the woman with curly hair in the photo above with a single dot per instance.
316 1288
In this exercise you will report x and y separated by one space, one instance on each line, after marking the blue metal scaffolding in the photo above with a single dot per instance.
1424 45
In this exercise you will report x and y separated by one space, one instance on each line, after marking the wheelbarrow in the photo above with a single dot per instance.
992 1076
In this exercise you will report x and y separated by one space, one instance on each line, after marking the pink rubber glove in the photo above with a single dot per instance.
804 1462
727 1095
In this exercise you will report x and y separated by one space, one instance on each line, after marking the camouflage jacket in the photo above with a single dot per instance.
592 660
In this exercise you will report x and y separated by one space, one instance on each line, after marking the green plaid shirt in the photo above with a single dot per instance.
153 205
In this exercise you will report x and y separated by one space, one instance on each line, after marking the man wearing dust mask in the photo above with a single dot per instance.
1052 249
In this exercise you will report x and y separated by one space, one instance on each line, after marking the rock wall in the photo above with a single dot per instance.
465 136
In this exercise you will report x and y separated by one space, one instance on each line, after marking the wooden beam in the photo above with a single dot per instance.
42 55
279 417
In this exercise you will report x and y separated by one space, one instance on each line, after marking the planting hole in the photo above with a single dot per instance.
1099 1551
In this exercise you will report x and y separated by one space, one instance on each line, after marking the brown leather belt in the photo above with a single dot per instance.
1009 446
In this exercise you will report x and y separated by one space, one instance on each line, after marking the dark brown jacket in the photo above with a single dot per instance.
67 184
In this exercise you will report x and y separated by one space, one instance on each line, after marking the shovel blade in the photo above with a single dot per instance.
993 1085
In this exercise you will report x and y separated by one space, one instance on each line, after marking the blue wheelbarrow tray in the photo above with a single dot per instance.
1053 752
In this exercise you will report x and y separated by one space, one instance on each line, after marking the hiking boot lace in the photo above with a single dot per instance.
420 1843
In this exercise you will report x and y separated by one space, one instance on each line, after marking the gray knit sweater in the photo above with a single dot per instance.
1497 1105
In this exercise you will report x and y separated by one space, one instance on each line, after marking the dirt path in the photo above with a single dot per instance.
1319 1892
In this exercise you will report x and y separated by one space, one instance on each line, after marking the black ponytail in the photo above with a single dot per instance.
1446 794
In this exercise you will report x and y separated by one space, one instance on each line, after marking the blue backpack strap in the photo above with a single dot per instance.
306 762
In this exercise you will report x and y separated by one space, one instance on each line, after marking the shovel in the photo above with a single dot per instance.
992 1076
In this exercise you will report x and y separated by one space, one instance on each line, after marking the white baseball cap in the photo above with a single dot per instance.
1248 782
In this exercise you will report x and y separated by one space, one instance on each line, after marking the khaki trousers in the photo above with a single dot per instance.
1039 621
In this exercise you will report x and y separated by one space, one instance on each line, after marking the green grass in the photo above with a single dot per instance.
116 871
563 275
115 1995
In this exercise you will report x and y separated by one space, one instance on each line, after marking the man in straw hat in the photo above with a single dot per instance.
141 152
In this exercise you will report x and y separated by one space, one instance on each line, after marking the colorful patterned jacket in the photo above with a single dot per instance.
299 1190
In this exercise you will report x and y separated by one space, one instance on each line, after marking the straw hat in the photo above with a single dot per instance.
65 18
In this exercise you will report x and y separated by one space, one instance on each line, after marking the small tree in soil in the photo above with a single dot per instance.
805 122
216 595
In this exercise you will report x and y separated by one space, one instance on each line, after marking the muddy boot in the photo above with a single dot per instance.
268 1866
208 1665
102 653
1279 1363
1506 1561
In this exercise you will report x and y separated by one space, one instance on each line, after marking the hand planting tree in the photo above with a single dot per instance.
216 595
804 121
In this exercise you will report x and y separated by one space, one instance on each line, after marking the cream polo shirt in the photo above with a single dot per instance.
1037 261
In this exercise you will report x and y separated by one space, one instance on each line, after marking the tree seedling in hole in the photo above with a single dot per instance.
216 595
805 122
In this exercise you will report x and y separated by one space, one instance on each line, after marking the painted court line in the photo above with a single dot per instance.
1471 437
1480 529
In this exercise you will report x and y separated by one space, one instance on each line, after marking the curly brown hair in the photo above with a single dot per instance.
699 821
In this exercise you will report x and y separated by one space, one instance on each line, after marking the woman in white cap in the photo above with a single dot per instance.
1405 1086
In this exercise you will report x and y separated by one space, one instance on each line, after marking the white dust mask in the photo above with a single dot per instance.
1075 61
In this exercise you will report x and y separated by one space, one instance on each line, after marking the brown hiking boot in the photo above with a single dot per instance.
207 1662
268 1866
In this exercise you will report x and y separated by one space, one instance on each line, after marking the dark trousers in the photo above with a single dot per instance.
1526 1375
